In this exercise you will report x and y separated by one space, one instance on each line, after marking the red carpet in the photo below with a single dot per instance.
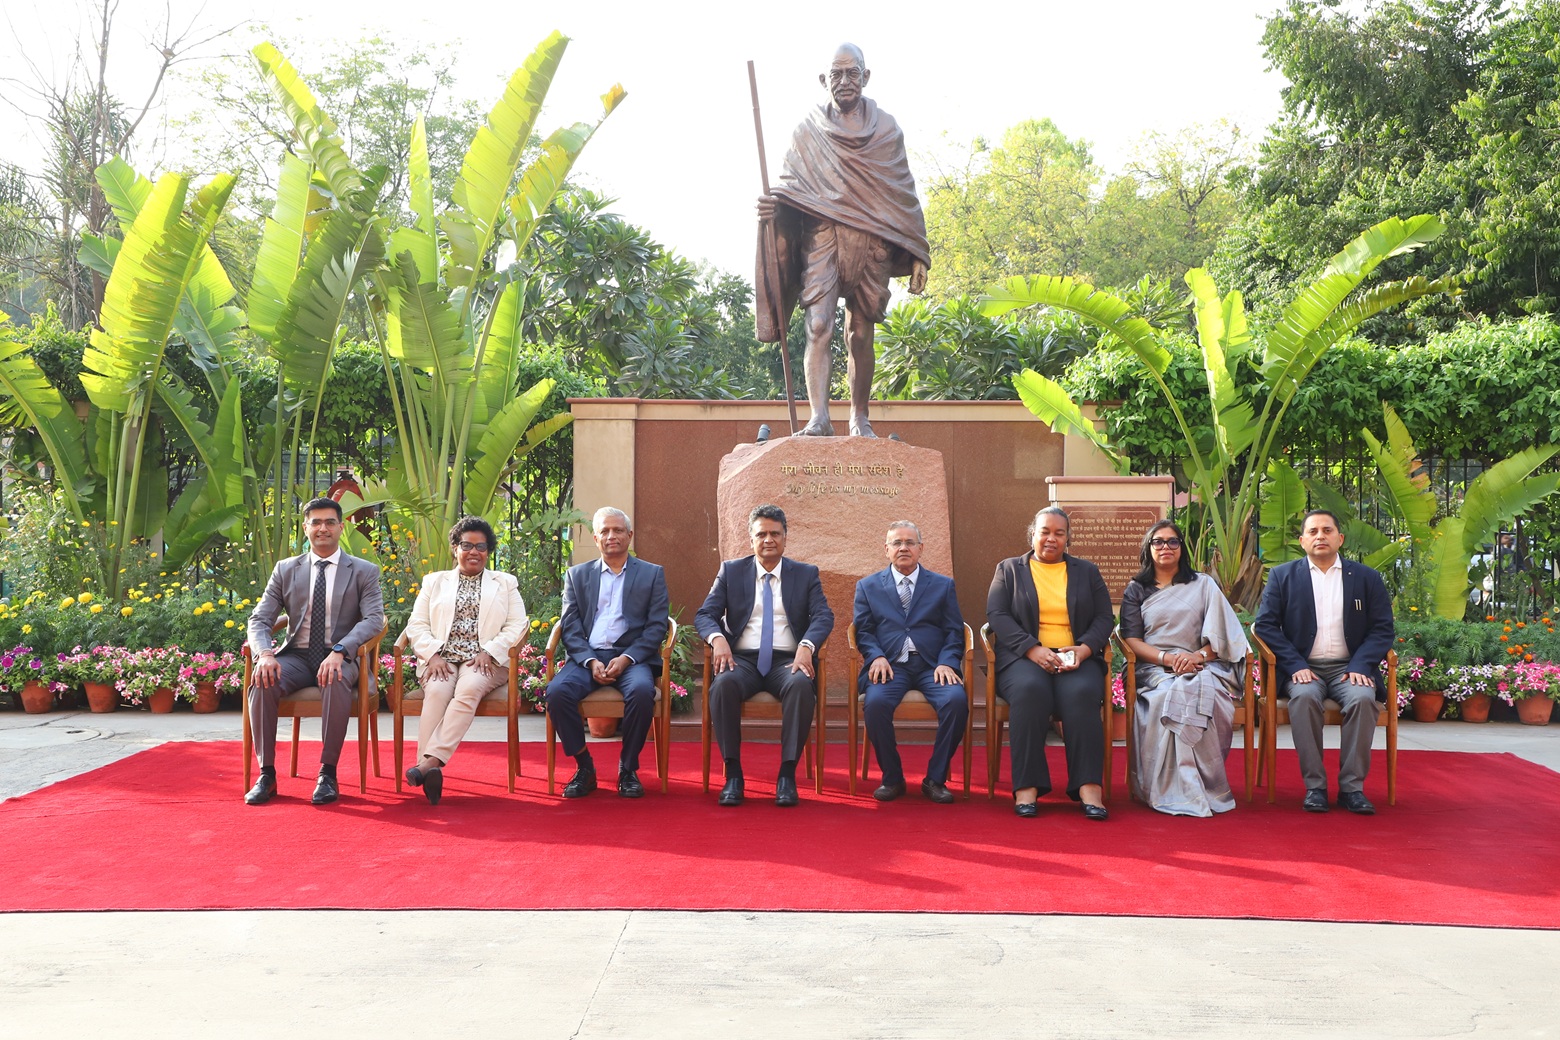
1473 840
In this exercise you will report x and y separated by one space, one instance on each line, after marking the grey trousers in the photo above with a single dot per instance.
335 706
795 692
1306 711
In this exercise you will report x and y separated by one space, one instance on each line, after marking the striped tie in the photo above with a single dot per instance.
319 634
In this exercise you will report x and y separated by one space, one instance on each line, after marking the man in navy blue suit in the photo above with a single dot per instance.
1328 622
614 621
911 637
764 623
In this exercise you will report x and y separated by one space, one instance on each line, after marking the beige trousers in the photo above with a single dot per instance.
449 705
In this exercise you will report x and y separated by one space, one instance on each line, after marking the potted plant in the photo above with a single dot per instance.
1426 681
95 671
212 675
1537 687
27 676
1472 687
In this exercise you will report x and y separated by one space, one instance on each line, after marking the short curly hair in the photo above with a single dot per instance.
473 523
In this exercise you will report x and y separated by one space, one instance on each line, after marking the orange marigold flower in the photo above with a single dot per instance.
1489 617
1505 639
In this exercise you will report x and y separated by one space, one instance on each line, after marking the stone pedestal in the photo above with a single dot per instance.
839 495
1108 516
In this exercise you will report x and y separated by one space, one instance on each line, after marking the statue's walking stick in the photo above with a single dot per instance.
771 272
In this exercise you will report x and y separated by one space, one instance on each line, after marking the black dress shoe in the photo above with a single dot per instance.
1356 802
1028 810
888 792
1095 812
414 776
325 790
629 785
581 784
936 792
731 794
1315 800
261 793
785 792
433 784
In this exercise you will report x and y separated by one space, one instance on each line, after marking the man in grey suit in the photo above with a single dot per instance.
333 606
613 623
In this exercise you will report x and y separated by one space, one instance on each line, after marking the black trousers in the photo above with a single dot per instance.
1034 697
797 694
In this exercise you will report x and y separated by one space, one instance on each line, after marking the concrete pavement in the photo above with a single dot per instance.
646 974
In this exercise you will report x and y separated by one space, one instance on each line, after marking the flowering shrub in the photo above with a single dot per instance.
224 670
145 671
101 664
21 665
1118 693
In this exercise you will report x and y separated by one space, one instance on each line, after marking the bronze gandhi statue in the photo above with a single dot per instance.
845 219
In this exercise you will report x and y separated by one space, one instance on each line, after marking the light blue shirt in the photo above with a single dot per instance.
610 623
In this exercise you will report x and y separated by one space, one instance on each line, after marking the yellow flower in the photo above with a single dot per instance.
400 599
126 611
97 608
197 612
207 606
555 619
222 603
85 597
113 523
26 629
228 623
86 523
67 602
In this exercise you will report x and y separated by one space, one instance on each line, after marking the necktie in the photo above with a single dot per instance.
319 636
904 601
766 629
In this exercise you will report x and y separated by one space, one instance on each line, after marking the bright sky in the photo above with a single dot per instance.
679 154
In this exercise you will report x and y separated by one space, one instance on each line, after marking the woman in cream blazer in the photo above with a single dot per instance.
463 624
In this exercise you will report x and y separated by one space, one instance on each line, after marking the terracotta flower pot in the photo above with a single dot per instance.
160 701
1535 711
1118 725
206 697
603 727
101 697
1476 708
1428 705
36 698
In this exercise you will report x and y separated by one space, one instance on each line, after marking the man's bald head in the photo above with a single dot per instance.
846 77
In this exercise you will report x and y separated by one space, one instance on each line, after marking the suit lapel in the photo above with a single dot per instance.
591 594
745 575
338 593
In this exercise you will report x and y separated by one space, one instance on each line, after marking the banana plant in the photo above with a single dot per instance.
451 321
1227 470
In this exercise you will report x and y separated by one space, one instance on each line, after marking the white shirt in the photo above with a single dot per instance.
1327 588
784 639
334 562
610 623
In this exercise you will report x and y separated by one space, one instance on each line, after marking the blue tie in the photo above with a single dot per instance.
766 629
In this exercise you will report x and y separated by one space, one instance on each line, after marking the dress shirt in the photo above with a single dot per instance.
784 639
334 559
610 623
899 580
1327 588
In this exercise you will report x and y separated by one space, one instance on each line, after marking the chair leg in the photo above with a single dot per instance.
249 745
297 725
365 732
866 756
514 748
373 736
552 752
993 755
398 746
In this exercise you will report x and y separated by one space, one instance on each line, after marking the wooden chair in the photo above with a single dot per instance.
606 702
502 700
306 703
997 717
1245 714
1274 712
765 705
914 707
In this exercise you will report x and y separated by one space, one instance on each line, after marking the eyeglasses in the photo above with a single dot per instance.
902 544
1165 543
853 74
476 547
317 522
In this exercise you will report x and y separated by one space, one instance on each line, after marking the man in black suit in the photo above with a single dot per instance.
764 624
614 621
911 636
1328 622
333 606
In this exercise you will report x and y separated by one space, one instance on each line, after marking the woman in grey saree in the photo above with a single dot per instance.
1190 657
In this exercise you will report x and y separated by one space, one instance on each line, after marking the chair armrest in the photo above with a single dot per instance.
550 667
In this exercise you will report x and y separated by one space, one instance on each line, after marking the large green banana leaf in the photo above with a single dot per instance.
1283 499
1050 403
496 449
1221 328
281 249
316 130
32 401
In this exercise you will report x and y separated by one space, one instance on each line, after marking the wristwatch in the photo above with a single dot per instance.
340 648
